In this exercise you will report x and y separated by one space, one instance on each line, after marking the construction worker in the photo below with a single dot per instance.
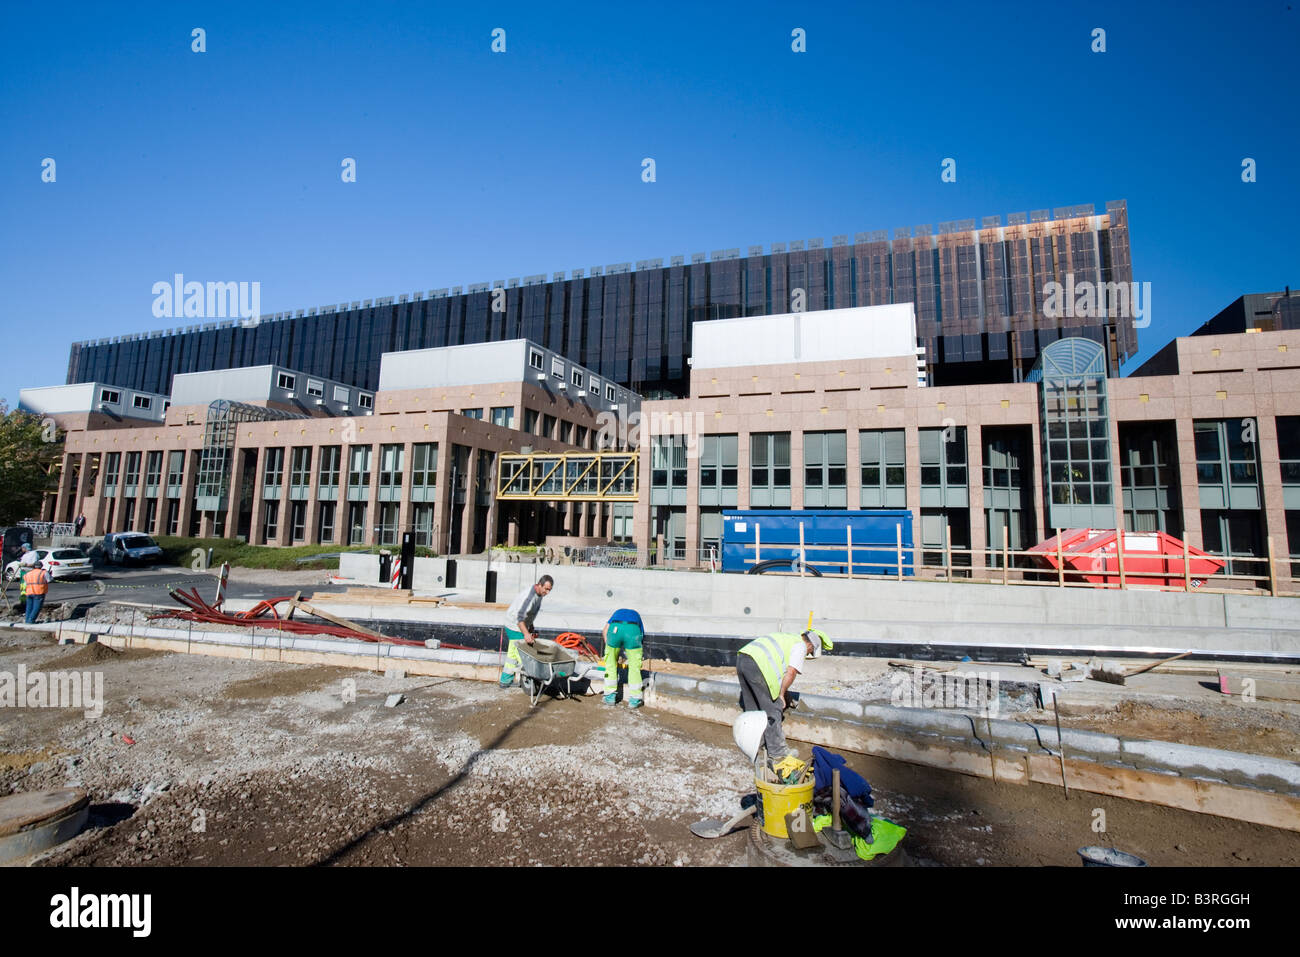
519 624
623 632
766 667
36 583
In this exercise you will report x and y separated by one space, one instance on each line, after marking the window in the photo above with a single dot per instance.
1288 452
422 522
167 404
1078 446
576 378
365 401
111 466
1149 478
534 358
884 472
504 415
769 470
593 386
1227 469
557 369
330 461
530 420
824 470
388 523
548 426
298 520
271 527
359 471
285 381
142 402
718 470
943 461
341 394
610 394
472 413
153 468
132 469
300 472
357 523
315 388
175 468
110 396
580 437
566 432
390 472
424 471
327 521
273 474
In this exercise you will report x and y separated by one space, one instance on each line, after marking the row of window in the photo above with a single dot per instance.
537 361
142 402
316 390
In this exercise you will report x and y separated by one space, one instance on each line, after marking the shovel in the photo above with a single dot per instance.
716 828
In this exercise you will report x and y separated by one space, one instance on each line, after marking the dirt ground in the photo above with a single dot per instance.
241 762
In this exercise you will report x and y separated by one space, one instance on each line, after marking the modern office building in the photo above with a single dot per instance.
981 293
1205 447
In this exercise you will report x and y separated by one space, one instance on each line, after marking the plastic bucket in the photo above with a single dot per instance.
775 801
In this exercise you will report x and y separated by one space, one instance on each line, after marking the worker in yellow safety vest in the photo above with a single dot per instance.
766 667
35 584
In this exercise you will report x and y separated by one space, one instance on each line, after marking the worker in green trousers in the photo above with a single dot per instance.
623 632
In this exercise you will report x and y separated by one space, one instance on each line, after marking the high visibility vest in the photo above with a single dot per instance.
37 581
772 652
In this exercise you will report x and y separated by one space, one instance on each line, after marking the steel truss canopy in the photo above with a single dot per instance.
568 477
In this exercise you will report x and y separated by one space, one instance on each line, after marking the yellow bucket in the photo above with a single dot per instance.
775 801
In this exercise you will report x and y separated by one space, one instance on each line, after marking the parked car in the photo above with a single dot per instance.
122 548
58 562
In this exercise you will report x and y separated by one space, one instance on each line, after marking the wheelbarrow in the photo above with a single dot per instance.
546 664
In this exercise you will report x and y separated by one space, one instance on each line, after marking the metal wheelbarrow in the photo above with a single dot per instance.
546 663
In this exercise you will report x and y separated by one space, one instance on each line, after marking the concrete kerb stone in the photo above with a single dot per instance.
971 731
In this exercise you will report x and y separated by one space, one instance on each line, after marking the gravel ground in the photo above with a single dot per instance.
203 760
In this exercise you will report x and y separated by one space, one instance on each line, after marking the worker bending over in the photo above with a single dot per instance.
519 625
766 667
623 632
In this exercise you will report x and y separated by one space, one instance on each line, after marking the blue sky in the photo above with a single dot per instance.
474 166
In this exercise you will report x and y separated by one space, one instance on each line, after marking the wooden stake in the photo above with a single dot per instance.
1119 551
898 545
1272 568
1187 568
1060 562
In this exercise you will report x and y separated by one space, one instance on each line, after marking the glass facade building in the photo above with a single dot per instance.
982 298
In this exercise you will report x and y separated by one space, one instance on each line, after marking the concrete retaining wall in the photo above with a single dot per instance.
908 611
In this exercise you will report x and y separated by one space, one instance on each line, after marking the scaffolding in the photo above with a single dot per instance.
568 477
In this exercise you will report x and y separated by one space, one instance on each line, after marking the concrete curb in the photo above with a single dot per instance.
1249 787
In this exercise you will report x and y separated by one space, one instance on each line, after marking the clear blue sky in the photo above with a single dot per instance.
474 166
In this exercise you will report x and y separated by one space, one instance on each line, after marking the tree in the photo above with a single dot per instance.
28 448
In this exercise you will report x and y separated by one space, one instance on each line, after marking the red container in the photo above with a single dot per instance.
1150 558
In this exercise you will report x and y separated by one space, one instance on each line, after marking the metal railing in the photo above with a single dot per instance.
1119 570
49 529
